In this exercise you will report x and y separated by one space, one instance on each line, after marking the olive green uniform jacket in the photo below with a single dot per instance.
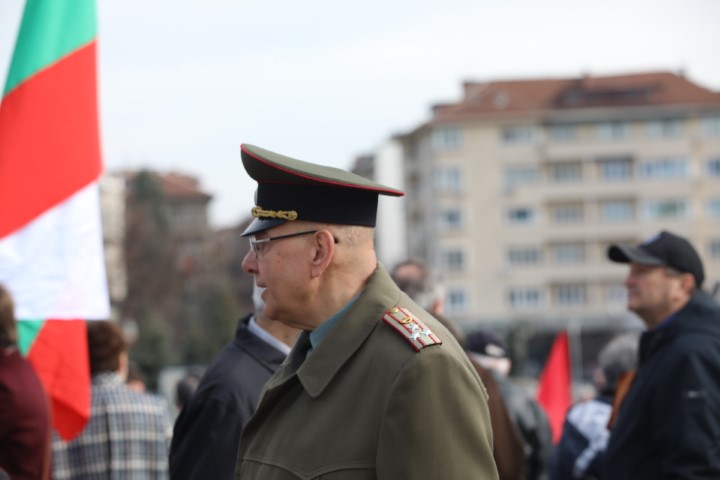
366 405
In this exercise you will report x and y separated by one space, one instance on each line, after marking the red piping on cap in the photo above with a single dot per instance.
261 160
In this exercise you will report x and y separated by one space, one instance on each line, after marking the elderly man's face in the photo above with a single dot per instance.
652 292
280 267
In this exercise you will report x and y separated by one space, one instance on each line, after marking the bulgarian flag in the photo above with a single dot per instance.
51 251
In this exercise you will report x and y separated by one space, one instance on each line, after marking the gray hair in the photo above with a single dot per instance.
619 356
352 235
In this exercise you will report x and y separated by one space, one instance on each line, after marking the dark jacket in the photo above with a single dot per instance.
580 452
366 404
205 440
24 420
533 424
669 424
508 444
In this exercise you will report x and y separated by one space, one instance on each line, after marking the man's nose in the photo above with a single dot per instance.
249 263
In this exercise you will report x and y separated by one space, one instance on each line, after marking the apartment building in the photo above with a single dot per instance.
515 192
112 212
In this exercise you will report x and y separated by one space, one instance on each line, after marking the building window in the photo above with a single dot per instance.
666 209
453 260
663 168
566 172
448 180
568 253
713 167
569 295
446 138
521 175
615 168
711 126
571 213
665 128
713 207
563 133
714 248
517 135
450 219
456 300
517 256
525 297
520 215
612 130
617 211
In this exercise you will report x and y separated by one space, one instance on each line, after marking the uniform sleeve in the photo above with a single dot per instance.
687 413
205 441
436 425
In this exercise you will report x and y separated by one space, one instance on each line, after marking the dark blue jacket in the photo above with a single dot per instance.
669 424
584 439
207 431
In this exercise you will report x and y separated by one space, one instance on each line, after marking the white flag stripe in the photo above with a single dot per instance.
54 267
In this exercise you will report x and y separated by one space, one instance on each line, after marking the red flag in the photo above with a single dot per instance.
554 393
51 256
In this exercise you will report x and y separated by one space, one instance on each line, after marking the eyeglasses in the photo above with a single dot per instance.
257 246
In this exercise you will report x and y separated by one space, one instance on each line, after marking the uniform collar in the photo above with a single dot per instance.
339 344
317 335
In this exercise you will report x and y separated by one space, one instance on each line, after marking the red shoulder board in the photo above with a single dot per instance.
411 328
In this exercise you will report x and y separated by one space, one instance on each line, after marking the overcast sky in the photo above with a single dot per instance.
184 82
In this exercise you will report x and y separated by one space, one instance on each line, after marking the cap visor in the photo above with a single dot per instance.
627 254
260 224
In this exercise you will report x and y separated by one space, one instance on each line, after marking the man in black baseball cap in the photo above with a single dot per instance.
663 249
668 426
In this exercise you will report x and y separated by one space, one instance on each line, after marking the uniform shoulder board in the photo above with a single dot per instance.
411 328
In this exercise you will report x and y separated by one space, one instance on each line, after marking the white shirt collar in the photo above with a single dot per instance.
264 335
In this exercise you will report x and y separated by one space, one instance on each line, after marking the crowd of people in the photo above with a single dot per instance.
345 370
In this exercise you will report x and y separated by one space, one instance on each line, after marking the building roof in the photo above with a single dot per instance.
176 185
503 97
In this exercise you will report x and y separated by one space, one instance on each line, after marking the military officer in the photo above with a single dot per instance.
375 387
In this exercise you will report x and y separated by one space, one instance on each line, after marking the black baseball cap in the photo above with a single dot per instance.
487 343
290 189
663 249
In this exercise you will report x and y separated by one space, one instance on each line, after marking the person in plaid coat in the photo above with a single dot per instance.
128 434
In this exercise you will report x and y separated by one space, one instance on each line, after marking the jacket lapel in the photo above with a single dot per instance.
351 331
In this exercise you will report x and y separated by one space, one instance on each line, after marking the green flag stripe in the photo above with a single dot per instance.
49 31
28 331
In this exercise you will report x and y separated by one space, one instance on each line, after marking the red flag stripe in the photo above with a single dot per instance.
47 155
60 357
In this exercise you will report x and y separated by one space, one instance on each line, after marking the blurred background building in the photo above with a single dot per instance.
513 194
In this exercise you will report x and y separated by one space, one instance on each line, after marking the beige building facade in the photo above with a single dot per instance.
515 192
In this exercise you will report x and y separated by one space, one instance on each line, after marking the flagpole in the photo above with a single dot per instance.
576 362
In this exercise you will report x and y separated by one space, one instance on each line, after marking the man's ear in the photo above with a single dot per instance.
687 280
322 252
